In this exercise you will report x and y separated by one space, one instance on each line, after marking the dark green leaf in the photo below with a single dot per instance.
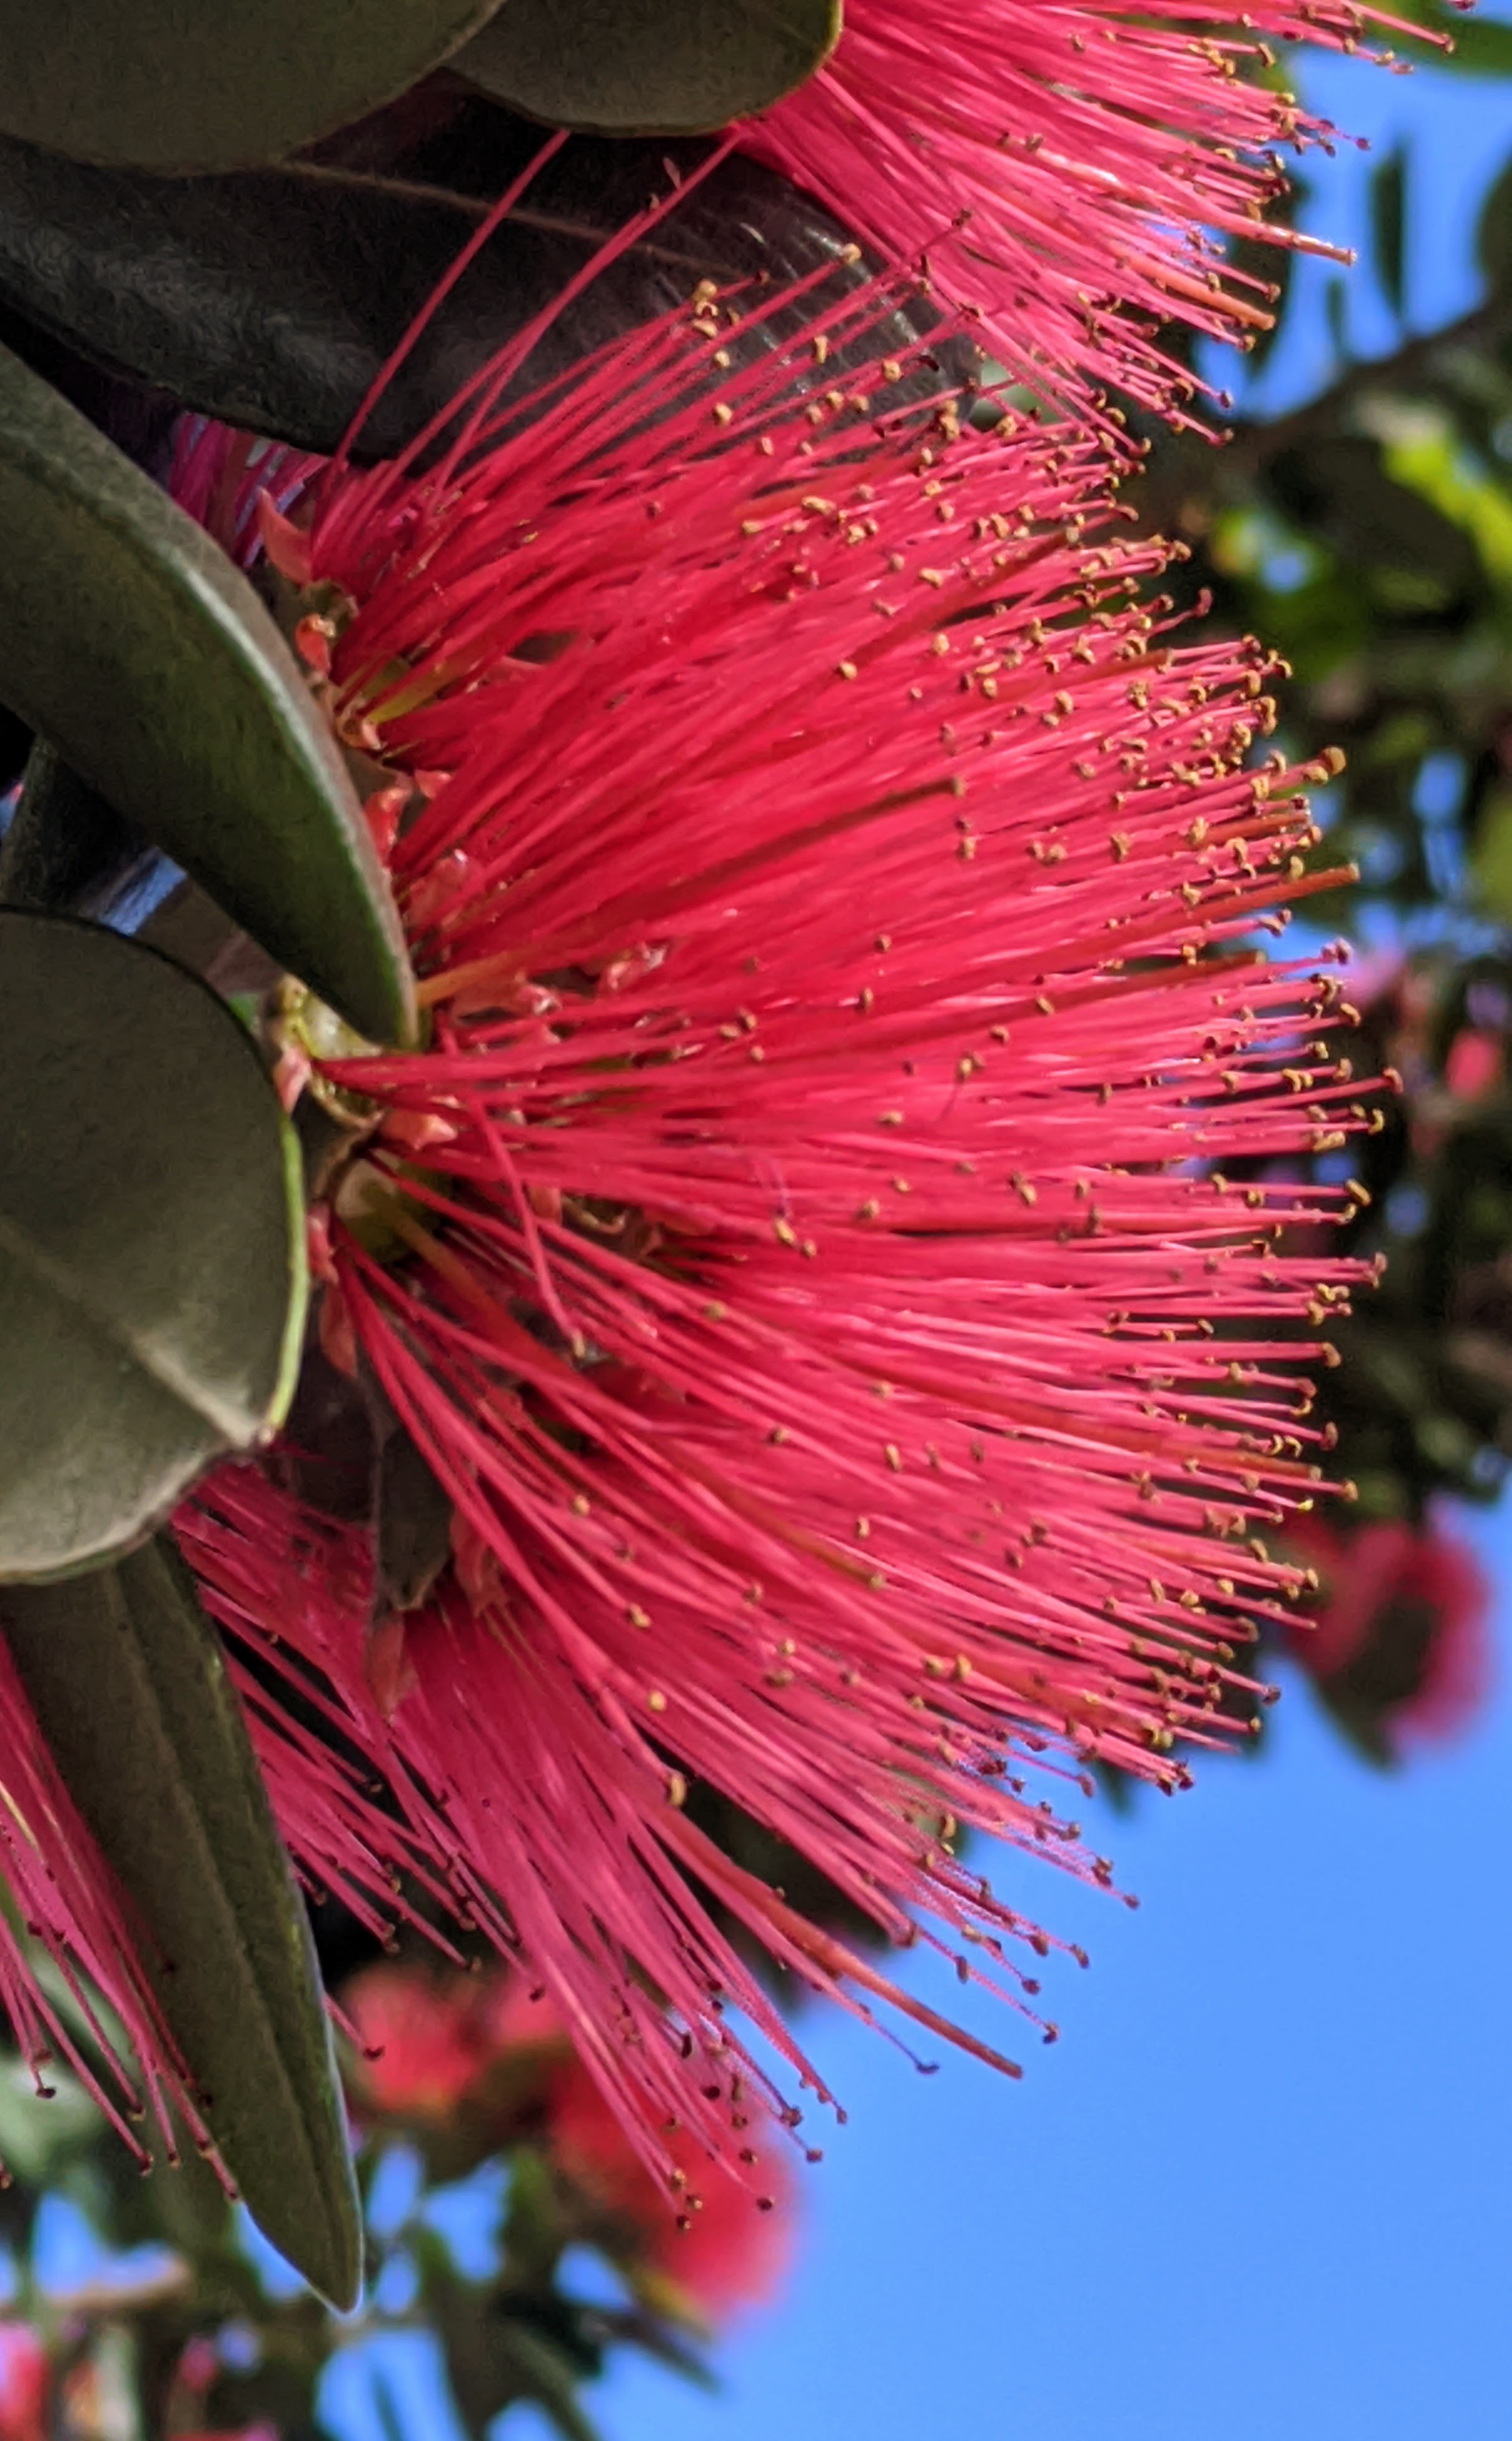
414 1522
152 1241
67 852
216 84
1336 317
1493 857
1493 229
130 1689
1388 219
542 2373
64 840
1338 495
648 66
129 640
1480 46
273 300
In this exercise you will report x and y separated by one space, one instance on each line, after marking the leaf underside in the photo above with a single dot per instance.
273 300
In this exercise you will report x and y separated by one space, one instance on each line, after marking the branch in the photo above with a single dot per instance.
1256 443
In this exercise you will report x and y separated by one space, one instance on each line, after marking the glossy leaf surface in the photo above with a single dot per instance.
152 1242
216 84
273 299
129 641
648 66
128 1685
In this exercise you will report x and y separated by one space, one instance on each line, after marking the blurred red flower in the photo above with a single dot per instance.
435 2041
424 2039
1399 1645
23 2382
723 2252
1474 1064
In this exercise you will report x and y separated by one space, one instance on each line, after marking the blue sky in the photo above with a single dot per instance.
1262 2189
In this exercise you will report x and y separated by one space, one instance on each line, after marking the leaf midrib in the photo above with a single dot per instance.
523 215
239 1427
215 1880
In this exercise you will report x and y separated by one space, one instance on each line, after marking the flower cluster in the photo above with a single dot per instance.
832 1249
439 2045
25 2382
847 1257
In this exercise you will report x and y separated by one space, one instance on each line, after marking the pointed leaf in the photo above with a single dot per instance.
273 300
414 1524
648 66
1388 218
67 852
217 83
1493 229
129 641
130 1689
63 842
152 1242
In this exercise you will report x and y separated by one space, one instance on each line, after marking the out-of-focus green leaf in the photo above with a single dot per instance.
1473 45
1423 454
1388 221
1493 857
152 1242
39 2145
129 1686
132 643
212 84
1336 492
1481 48
648 66
1493 229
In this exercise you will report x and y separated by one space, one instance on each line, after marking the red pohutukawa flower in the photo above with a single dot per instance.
25 2382
1398 1640
433 2044
727 2258
1067 164
423 2039
829 1248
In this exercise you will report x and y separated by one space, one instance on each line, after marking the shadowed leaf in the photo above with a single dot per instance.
1388 220
648 66
217 83
273 300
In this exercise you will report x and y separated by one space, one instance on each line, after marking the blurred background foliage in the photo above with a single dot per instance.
1366 534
